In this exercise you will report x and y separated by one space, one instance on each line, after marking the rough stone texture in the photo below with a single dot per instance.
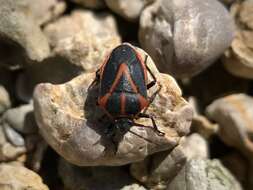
18 25
9 151
158 170
71 122
16 177
13 136
21 119
185 36
83 37
234 114
97 178
5 102
205 175
239 61
46 10
95 4
130 10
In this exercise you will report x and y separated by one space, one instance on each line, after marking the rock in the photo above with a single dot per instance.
99 178
71 123
15 177
8 151
5 102
13 136
94 4
21 119
158 170
239 60
130 10
18 25
206 175
234 115
204 127
185 36
46 10
83 37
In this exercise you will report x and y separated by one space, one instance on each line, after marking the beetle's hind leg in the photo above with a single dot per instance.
154 127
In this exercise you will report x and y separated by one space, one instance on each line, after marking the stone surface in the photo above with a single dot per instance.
234 114
204 127
158 170
185 36
83 37
205 175
18 25
5 102
97 178
21 119
16 177
239 60
13 136
95 4
8 151
130 10
72 124
46 10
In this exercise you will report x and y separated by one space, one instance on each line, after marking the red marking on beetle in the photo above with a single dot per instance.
142 64
122 104
143 101
123 69
102 101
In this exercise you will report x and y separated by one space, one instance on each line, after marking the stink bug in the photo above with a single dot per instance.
123 86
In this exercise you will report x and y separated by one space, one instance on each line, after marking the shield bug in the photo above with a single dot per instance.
123 85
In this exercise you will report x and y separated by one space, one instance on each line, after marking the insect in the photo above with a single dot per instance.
123 86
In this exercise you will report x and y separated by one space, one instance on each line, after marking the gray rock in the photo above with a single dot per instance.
8 151
205 175
234 115
157 171
130 10
83 37
239 60
13 136
185 36
21 119
96 178
71 123
16 177
18 25
5 102
94 4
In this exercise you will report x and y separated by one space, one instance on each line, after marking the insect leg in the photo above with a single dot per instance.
157 131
